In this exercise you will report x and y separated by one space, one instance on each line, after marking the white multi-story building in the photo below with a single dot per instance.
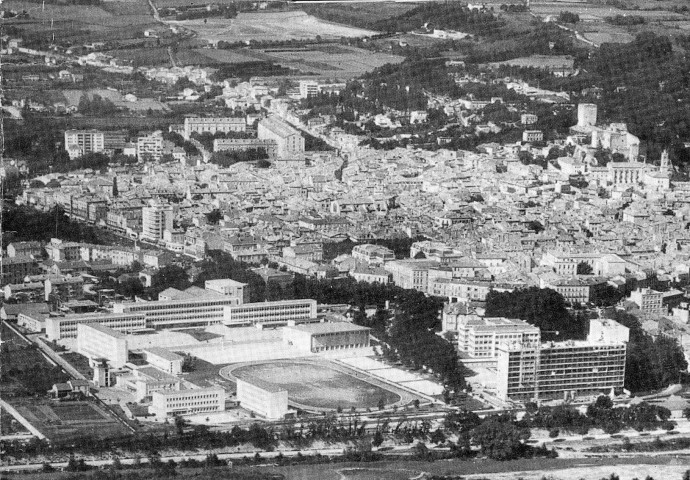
202 311
308 88
649 301
586 115
98 342
229 287
372 254
289 141
66 326
480 337
459 289
81 142
213 125
532 136
560 370
411 274
243 144
616 138
266 399
166 404
322 337
143 382
164 359
156 219
271 313
150 147
607 331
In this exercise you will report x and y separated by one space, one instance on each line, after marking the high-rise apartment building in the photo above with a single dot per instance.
150 147
563 370
81 142
155 219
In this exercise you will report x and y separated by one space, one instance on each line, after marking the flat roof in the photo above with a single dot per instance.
262 384
163 353
102 328
329 327
155 374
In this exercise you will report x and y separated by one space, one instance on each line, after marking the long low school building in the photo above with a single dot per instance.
186 313
166 404
66 326
271 313
322 337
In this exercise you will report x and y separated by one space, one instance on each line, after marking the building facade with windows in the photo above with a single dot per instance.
213 125
266 399
156 218
372 254
271 313
98 342
322 337
167 404
564 370
164 359
66 326
150 147
186 312
481 337
81 142
289 141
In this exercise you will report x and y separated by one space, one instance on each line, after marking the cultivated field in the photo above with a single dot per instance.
318 385
593 27
142 104
63 421
592 13
84 23
269 27
326 60
540 61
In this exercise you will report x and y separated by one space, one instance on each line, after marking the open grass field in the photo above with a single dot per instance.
360 15
150 57
589 12
326 60
269 26
318 385
84 23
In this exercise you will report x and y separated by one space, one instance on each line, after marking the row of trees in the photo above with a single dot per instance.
207 138
96 105
442 15
600 414
27 224
651 363
229 158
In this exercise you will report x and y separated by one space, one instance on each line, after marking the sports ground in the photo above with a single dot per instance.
320 385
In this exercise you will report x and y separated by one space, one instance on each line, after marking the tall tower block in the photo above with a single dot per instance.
586 115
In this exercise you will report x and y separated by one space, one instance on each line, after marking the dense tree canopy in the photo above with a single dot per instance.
542 307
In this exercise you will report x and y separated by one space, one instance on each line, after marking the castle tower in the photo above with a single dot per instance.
586 115
665 164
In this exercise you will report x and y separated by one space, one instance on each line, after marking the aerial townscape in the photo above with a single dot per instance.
345 240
